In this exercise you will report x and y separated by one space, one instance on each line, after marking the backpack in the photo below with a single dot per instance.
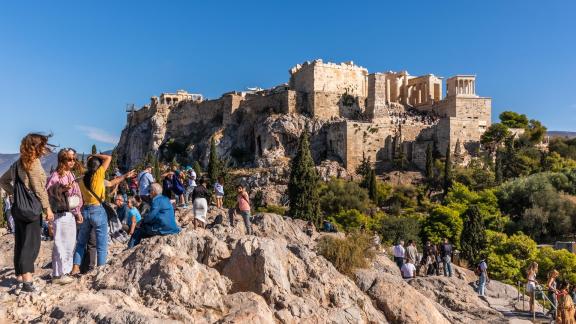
478 270
217 221
27 207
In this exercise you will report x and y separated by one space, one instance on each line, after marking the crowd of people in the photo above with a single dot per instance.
73 203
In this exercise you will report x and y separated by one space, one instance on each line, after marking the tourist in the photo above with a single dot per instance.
566 312
178 189
551 289
412 252
95 217
134 216
159 221
8 213
531 284
167 184
398 252
219 191
121 209
483 274
143 207
145 179
446 254
408 270
431 259
191 184
310 229
66 199
243 205
200 197
29 172
133 185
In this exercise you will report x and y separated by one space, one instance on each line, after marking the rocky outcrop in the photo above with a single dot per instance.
221 275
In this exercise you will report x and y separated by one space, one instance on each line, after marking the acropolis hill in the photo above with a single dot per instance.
349 112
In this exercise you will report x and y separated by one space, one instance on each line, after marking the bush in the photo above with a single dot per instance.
347 254
405 227
354 219
273 209
443 222
561 260
508 257
339 195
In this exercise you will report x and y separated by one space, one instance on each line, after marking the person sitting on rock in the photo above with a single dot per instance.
160 220
408 270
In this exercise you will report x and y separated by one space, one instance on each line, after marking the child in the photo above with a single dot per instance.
133 216
219 190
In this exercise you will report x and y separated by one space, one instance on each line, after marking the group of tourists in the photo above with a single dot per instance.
82 222
410 262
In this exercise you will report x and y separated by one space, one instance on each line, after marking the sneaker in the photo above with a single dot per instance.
62 280
29 287
18 288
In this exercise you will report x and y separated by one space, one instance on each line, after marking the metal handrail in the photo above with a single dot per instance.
519 284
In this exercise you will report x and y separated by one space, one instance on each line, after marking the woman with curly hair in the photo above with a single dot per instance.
66 200
27 232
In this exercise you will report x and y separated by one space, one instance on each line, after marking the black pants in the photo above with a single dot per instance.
26 245
89 260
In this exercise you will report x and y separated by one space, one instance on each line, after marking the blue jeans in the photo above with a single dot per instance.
447 266
137 236
482 284
246 216
94 218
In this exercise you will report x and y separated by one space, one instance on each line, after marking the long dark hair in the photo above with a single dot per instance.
91 166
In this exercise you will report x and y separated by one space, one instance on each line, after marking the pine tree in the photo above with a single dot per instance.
303 185
364 167
498 168
373 186
447 170
473 238
214 164
94 150
429 162
197 168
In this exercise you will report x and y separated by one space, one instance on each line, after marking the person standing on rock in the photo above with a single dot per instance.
93 191
191 178
446 254
160 220
430 259
219 192
200 197
399 252
412 252
551 288
27 174
243 205
532 283
145 179
66 199
483 274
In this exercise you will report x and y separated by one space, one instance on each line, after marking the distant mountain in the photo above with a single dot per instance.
561 134
6 160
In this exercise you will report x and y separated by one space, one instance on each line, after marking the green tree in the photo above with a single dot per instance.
197 168
405 227
364 167
447 170
214 164
156 172
473 239
514 120
303 185
498 168
373 186
429 162
494 136
94 150
442 222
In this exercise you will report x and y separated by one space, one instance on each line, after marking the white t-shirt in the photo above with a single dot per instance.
408 270
398 251
483 266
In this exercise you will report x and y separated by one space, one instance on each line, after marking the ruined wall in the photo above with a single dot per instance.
376 104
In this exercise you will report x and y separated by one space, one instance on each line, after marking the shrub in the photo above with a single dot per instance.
354 219
406 227
338 195
443 222
272 209
347 254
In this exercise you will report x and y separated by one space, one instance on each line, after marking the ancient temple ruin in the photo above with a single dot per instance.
355 113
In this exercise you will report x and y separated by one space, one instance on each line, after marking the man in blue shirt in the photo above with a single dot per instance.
145 179
160 220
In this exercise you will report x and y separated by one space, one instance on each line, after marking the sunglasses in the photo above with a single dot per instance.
69 149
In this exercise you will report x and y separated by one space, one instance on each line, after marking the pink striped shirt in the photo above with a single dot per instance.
65 179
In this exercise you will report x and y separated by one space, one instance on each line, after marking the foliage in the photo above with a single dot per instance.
303 185
406 227
509 256
476 176
364 167
561 260
473 239
514 120
280 210
214 163
403 198
198 169
443 222
494 136
94 150
353 219
156 171
113 165
448 170
534 133
565 147
347 254
372 186
429 162
339 195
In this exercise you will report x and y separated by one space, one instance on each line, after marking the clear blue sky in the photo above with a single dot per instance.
70 67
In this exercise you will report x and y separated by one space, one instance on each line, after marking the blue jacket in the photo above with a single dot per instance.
160 220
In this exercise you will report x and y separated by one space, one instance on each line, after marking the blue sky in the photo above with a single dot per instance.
70 67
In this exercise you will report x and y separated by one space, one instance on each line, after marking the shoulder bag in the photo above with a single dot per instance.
27 207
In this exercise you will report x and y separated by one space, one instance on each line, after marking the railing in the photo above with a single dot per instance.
537 292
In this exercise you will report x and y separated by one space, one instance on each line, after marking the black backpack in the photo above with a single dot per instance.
27 207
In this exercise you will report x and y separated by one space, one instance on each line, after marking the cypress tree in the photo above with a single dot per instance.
197 168
214 165
473 238
156 173
303 185
448 170
94 150
498 168
458 156
429 162
373 186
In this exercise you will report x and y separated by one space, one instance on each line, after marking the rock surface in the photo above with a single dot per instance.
221 275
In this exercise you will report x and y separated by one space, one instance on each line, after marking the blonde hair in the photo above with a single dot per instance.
533 267
553 273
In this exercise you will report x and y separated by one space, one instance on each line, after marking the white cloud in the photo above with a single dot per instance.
98 134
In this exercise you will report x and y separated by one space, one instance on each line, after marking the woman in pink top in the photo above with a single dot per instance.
243 205
66 201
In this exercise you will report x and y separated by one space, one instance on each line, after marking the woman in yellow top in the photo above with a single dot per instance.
27 232
93 194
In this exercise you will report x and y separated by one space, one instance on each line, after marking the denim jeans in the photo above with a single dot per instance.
482 284
246 216
137 236
447 266
94 218
399 261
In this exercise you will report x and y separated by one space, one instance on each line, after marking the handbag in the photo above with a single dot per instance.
27 207
110 212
